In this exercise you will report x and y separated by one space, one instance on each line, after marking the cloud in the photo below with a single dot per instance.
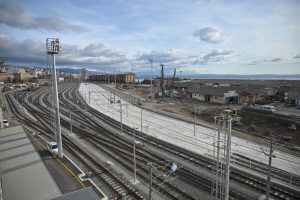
34 52
297 56
168 56
14 15
217 55
264 61
210 35
172 58
276 59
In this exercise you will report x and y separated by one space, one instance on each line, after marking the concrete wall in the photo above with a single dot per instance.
217 99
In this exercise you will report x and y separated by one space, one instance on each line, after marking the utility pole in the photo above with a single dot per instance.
70 120
141 120
1 117
150 179
115 85
121 117
134 161
270 155
127 107
115 77
222 165
108 76
162 81
228 151
108 100
151 62
195 110
218 157
53 48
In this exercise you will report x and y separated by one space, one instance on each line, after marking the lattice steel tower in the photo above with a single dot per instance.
222 151
53 47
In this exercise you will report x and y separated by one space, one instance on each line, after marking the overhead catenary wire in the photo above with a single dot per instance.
198 131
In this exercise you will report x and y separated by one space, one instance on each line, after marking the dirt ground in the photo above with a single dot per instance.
254 126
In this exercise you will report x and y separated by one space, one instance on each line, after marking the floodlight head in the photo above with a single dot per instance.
52 45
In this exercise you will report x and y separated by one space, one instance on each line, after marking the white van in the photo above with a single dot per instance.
5 123
267 108
52 148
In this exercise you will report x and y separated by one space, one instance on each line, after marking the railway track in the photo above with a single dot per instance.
109 179
122 147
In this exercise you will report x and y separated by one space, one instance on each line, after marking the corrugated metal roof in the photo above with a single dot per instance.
23 173
86 193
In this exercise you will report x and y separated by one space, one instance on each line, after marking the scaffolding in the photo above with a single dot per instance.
221 153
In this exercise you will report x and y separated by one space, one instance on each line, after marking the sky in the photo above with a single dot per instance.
193 36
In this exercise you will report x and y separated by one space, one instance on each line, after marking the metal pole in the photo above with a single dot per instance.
108 102
134 161
218 157
127 108
70 120
195 119
57 117
115 77
150 184
121 117
269 168
151 61
1 117
114 96
228 146
141 120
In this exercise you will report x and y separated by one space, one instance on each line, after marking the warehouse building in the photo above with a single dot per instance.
126 78
221 95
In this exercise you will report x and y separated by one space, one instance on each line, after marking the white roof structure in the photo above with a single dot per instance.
22 172
86 193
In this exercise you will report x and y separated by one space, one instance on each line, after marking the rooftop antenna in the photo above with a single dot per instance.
53 47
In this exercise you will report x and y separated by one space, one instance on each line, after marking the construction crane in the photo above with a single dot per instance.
162 81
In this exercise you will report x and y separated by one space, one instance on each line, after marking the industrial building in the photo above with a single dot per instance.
222 95
126 78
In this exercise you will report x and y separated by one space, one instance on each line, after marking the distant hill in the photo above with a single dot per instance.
230 76
69 70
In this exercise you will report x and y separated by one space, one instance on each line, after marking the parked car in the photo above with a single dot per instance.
52 147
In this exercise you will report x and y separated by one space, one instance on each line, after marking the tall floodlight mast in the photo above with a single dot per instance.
53 48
